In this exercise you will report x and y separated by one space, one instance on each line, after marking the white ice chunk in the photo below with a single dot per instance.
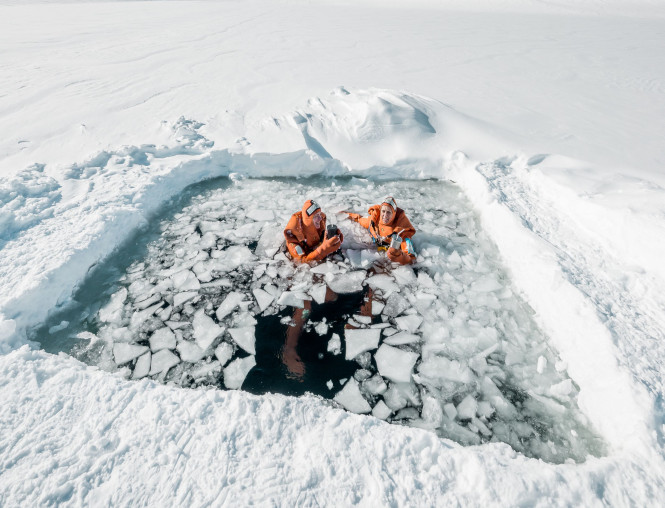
181 298
224 352
263 299
186 281
360 340
375 385
205 330
244 337
351 398
330 384
467 408
163 338
395 305
142 367
176 325
321 328
350 282
292 299
542 363
439 367
367 257
381 411
383 282
318 292
365 320
162 361
112 311
189 351
327 267
204 370
562 390
432 413
237 370
395 364
377 307
404 275
401 338
335 344
450 410
259 215
230 303
486 284
58 328
123 352
409 323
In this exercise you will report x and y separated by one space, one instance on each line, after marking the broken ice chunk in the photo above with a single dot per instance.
383 282
542 363
450 410
292 299
381 411
323 268
142 367
409 323
377 307
189 351
263 299
335 344
330 384
112 312
345 283
365 320
244 337
467 408
401 338
162 361
486 284
395 364
205 330
321 328
375 385
230 303
404 275
562 390
203 370
186 281
351 398
123 352
318 292
224 352
237 370
395 305
181 298
360 340
163 338
261 215
58 328
439 367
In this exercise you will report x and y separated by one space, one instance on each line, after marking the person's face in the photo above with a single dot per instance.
386 214
317 219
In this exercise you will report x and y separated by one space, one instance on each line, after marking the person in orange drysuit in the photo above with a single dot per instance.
306 236
385 221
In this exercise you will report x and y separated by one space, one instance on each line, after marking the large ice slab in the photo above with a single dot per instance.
351 398
164 338
244 337
237 370
395 364
205 330
360 340
124 353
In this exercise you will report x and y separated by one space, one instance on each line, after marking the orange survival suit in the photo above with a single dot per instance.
381 233
307 242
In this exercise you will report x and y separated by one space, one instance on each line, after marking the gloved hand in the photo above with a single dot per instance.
354 217
329 245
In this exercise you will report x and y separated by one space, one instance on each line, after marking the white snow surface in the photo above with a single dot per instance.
548 116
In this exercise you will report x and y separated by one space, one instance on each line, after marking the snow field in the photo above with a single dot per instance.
451 347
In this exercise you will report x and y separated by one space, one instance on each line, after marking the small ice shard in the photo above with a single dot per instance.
439 367
485 409
330 384
181 298
335 344
404 275
189 351
318 292
542 363
486 284
144 304
163 338
230 303
375 385
381 411
467 408
409 323
394 398
208 241
162 361
292 299
395 364
365 320
321 328
259 215
263 299
112 311
142 367
360 340
481 427
324 268
562 390
58 328
205 330
377 307
380 325
350 282
383 282
244 337
176 325
401 338
351 398
367 257
224 352
395 305
203 370
123 352
237 370
186 281
450 410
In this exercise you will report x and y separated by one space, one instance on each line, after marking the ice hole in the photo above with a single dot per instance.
206 295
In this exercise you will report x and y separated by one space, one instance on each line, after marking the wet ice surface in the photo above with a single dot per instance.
443 344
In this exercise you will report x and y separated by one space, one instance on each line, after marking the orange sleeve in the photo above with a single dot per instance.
292 243
404 227
373 216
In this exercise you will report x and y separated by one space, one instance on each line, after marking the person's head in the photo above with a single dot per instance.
311 213
388 209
